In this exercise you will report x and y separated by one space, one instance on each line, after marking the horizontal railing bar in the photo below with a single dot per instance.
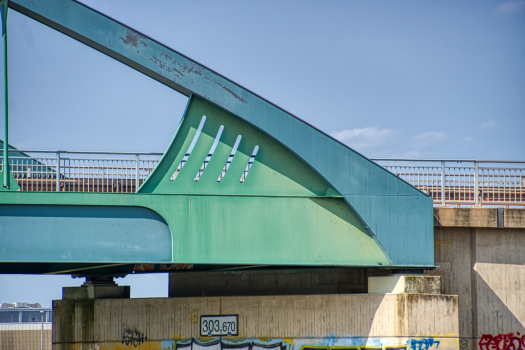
496 168
187 154
445 160
89 152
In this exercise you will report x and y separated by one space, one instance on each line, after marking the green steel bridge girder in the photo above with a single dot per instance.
343 205
203 229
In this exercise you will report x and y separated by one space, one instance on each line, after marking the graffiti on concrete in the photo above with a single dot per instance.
220 345
506 341
217 344
308 347
388 347
133 337
463 344
89 347
161 267
423 344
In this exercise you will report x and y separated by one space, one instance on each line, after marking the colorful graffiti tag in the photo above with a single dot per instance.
506 341
134 339
423 344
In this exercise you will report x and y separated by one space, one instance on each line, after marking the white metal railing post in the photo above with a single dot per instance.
476 184
137 173
443 184
58 172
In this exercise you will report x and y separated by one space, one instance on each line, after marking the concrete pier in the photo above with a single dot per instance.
290 322
482 260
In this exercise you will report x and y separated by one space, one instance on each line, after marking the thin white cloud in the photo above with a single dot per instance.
510 7
361 138
428 138
491 124
467 139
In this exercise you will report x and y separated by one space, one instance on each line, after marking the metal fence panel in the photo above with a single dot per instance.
448 182
464 183
64 172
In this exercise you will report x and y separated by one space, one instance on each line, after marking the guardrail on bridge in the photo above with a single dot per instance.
119 172
447 181
455 182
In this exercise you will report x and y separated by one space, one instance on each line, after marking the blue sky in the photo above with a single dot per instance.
434 79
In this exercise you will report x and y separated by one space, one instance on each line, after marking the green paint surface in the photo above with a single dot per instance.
275 170
211 229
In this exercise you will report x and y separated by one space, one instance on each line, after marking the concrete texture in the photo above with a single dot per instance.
478 217
484 266
465 217
399 283
514 218
391 319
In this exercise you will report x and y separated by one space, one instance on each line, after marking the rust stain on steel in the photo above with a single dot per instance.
191 70
130 39
184 68
166 68
232 93
166 56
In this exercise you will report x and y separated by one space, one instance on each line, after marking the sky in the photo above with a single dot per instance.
433 79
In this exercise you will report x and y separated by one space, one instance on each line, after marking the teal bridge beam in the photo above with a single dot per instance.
275 191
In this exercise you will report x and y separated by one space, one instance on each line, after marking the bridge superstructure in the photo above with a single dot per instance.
243 184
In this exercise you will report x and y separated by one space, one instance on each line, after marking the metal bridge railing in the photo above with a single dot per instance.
81 171
463 182
448 181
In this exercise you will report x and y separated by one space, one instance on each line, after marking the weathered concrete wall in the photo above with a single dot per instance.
416 321
484 266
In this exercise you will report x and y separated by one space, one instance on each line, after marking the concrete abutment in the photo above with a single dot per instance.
293 321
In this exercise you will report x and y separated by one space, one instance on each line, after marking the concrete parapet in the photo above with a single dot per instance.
293 322
514 218
399 283
479 217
